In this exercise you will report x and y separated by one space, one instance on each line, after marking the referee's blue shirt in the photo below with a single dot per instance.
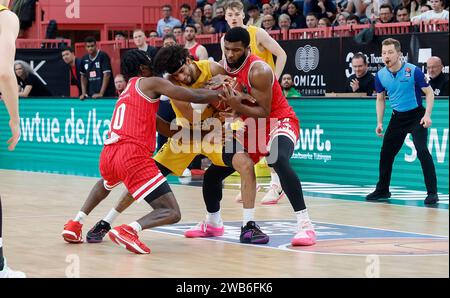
404 88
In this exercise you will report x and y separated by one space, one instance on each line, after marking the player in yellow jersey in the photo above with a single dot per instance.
265 47
9 29
174 156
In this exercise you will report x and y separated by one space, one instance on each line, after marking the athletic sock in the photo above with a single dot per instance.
248 215
303 218
214 218
136 226
112 215
80 217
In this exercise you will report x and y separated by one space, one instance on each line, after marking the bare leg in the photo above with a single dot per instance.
243 164
98 193
165 211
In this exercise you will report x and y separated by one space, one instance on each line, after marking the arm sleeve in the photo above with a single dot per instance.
378 86
419 78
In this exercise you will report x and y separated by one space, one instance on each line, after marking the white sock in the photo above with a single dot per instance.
80 216
303 218
112 215
136 226
275 180
214 218
248 215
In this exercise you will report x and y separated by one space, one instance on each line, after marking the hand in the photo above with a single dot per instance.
217 82
97 95
231 97
379 130
15 131
83 96
426 121
355 85
321 5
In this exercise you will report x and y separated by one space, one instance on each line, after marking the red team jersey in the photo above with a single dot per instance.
287 123
126 156
193 51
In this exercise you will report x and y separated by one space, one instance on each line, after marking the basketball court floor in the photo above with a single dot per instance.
399 238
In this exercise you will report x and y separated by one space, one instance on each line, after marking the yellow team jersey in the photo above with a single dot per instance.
205 76
3 7
266 55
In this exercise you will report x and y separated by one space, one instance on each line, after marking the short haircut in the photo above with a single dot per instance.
90 39
252 7
234 4
185 5
387 6
138 30
167 6
353 17
286 74
238 34
360 56
191 26
313 15
391 41
401 7
284 16
67 48
170 35
178 27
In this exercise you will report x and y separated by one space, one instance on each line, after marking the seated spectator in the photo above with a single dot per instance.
425 8
186 15
207 19
178 32
413 6
288 86
28 83
167 20
153 34
74 67
353 20
361 80
311 20
386 14
269 23
297 19
197 15
323 23
267 9
438 80
322 8
120 84
284 22
140 42
219 23
169 40
255 16
438 12
341 19
402 14
120 36
167 30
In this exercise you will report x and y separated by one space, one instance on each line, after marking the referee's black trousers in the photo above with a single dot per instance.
400 125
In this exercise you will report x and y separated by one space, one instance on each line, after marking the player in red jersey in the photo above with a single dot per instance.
275 133
126 156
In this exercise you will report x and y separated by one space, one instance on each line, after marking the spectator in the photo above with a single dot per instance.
169 40
284 22
341 19
197 51
167 20
255 16
186 15
425 8
267 9
120 84
353 20
120 36
269 23
167 30
141 43
28 83
361 80
288 86
198 16
438 12
208 18
323 23
74 66
438 80
153 34
402 14
386 14
96 72
358 6
219 23
297 19
413 6
322 8
178 32
311 20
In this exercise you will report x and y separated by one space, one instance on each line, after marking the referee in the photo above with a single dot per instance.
404 84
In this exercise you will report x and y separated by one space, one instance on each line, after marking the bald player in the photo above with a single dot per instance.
9 29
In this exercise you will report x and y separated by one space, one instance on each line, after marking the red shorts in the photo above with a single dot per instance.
132 165
287 127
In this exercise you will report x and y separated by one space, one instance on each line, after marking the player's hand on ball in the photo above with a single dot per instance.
379 130
217 82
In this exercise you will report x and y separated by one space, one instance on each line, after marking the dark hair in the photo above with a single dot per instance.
238 34
353 17
387 6
185 5
401 7
67 48
252 7
360 56
313 14
191 26
170 59
90 39
178 27
167 6
131 62
170 35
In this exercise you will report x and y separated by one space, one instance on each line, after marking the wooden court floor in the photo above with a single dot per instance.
36 206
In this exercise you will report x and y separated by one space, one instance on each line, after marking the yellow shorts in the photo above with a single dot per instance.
177 157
